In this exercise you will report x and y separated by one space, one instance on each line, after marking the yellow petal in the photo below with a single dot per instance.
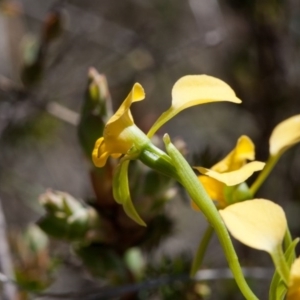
260 224
120 132
214 188
99 158
137 94
294 283
193 90
244 150
234 177
285 135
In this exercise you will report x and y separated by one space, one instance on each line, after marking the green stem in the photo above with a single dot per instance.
157 160
281 264
201 250
197 192
264 173
287 239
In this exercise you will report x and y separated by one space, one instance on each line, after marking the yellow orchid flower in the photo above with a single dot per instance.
193 90
259 223
122 137
230 171
120 132
294 282
285 135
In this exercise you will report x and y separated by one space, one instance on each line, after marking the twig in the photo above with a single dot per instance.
108 292
9 290
209 274
53 108
63 113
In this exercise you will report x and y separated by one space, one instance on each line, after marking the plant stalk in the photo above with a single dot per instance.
201 250
264 174
198 194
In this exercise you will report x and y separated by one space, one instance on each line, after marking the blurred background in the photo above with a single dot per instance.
46 50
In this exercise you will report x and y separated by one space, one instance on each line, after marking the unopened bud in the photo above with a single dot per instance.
67 217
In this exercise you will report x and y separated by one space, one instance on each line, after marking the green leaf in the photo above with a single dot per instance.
35 238
102 262
96 109
277 287
290 252
78 225
121 192
134 260
54 226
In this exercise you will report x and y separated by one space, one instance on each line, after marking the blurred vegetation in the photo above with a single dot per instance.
53 52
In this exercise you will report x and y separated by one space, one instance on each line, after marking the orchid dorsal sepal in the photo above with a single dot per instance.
121 192
194 90
260 224
285 135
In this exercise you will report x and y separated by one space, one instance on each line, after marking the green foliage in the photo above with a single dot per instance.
179 286
95 111
67 218
41 127
103 262
33 263
161 227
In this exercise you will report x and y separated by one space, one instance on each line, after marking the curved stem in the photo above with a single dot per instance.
287 239
264 174
201 250
197 192
281 264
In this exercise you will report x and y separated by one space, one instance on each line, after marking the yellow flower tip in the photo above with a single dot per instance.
243 151
260 224
285 135
245 148
99 159
191 90
294 282
234 177
137 93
